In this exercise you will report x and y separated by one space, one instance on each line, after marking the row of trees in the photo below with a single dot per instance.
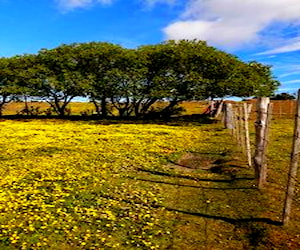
131 80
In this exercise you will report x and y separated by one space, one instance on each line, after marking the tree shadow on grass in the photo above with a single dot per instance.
171 121
190 186
184 176
192 177
234 221
227 219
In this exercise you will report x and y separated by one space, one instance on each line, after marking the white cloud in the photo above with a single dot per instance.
287 90
293 46
67 5
292 81
289 74
232 23
154 2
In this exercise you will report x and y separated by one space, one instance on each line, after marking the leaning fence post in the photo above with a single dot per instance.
293 166
260 127
219 109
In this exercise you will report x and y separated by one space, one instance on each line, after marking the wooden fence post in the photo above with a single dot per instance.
228 116
249 110
261 125
219 108
263 174
247 136
212 107
234 121
293 166
242 131
237 126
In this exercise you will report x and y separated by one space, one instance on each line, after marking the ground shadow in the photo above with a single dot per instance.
190 186
234 221
171 121
227 219
184 176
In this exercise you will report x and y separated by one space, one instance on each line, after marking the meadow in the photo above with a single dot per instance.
180 184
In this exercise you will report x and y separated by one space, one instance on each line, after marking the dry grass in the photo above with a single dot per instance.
77 108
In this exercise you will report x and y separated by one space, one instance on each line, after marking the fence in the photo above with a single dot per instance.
238 116
281 109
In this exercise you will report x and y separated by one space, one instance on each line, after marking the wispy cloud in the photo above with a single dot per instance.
288 89
289 74
293 46
151 3
232 23
67 5
292 81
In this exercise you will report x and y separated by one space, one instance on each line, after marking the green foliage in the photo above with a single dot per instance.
97 63
132 80
283 96
57 77
9 88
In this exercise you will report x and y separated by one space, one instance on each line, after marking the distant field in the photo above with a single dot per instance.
281 109
77 108
110 185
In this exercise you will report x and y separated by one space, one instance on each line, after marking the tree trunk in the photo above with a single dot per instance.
219 108
147 105
137 106
26 105
96 106
3 102
167 110
1 109
104 107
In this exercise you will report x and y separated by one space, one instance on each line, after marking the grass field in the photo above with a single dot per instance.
104 185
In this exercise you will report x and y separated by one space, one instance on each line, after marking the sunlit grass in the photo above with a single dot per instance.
86 185
65 184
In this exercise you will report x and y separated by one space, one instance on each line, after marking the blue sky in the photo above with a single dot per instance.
267 31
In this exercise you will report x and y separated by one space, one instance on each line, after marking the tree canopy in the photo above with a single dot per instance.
132 80
284 96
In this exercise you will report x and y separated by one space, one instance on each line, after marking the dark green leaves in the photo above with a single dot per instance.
130 81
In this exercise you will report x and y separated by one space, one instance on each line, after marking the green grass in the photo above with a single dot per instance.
103 185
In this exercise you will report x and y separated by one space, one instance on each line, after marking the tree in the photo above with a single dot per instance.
9 80
169 75
96 61
56 77
265 83
191 70
133 80
283 96
127 80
